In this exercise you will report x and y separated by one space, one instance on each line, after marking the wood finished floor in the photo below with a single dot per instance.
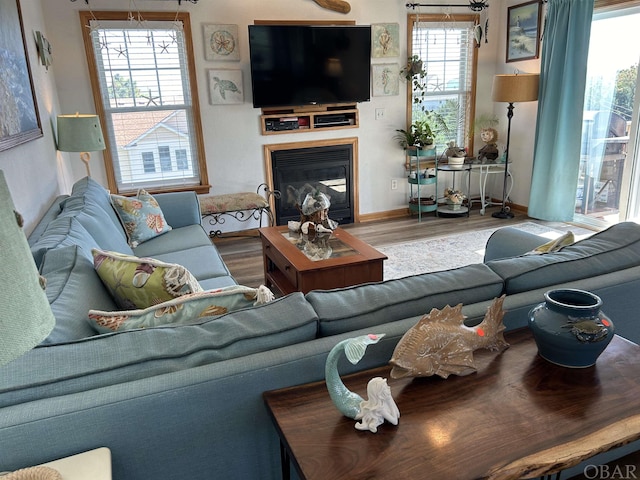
243 255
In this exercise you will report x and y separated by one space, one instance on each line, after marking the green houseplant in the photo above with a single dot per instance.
415 73
418 134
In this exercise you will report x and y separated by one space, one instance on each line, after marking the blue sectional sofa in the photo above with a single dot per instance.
177 402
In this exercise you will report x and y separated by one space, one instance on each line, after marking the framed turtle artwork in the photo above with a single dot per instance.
225 87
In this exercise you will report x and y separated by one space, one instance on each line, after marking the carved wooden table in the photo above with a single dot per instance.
518 416
291 264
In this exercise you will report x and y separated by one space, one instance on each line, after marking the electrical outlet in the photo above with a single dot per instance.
379 113
394 184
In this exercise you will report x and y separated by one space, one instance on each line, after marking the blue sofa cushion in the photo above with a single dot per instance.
87 190
73 288
63 231
352 308
98 224
115 358
613 249
182 238
203 262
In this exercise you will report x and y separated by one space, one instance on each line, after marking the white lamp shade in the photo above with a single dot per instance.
79 133
25 315
522 87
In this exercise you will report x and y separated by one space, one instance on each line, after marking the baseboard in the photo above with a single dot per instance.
387 215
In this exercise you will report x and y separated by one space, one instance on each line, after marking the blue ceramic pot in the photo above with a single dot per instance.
569 327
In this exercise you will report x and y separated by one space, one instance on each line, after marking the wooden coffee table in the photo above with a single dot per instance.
518 416
337 260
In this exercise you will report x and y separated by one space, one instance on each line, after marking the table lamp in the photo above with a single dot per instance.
80 133
25 315
519 87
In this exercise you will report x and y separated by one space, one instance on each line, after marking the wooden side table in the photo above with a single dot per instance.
518 416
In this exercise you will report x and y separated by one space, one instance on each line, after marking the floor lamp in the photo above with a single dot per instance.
80 133
522 87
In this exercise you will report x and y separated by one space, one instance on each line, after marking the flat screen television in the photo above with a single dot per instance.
296 65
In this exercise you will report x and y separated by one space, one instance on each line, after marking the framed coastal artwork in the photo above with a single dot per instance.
19 118
385 40
386 79
523 31
225 87
221 42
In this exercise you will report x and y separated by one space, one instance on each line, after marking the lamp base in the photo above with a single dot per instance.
502 214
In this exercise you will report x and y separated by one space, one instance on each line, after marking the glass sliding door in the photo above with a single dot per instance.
608 159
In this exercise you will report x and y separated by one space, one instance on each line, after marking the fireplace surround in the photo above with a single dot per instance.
329 166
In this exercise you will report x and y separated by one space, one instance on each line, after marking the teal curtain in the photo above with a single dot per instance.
563 73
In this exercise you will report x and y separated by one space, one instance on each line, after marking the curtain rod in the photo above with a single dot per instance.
179 1
476 6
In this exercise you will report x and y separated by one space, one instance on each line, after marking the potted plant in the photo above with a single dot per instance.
415 73
418 135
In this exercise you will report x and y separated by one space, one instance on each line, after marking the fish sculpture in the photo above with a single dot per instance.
441 344
380 405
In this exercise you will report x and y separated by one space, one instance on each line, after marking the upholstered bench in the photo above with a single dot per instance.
242 207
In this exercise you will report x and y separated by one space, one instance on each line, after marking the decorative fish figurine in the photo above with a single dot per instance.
477 34
440 344
379 407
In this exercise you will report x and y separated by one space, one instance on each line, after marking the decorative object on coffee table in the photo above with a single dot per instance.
569 328
314 215
379 407
440 344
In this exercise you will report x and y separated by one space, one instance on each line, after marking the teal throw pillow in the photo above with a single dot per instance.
141 217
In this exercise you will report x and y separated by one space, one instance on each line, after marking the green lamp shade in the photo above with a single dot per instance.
25 315
80 133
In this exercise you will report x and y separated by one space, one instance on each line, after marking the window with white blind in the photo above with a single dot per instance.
142 73
448 52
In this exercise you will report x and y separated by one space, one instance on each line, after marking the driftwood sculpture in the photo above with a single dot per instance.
440 343
339 6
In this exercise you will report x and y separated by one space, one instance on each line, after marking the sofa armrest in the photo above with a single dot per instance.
511 242
179 208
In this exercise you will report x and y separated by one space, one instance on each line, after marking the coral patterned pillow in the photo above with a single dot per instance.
141 217
142 282
188 309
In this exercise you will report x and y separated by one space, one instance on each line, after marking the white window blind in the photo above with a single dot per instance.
447 52
145 93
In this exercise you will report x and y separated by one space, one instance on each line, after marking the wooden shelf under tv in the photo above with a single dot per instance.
308 118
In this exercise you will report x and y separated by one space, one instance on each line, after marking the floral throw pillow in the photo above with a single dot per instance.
141 217
554 245
142 282
188 309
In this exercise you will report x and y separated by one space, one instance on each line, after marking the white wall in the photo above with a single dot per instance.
34 172
233 142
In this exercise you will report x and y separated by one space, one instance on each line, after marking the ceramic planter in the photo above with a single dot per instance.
569 328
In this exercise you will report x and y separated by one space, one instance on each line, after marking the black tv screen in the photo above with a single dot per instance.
295 65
